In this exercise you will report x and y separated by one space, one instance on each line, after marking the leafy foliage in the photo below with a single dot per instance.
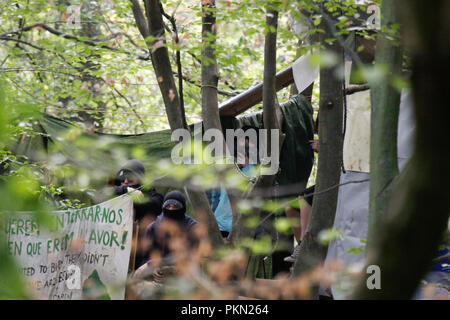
94 68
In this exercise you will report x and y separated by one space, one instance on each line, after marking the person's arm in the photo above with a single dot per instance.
151 207
192 235
158 273
148 271
314 145
120 190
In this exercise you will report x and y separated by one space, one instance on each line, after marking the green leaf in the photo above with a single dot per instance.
328 235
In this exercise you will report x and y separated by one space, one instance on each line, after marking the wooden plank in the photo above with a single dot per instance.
253 96
244 101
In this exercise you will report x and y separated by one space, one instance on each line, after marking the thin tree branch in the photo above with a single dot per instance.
355 57
130 105
37 70
22 41
141 22
4 60
441 259
119 34
31 61
356 88
197 84
178 56
93 43
224 81
307 195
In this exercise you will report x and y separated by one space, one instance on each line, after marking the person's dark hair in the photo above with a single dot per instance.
246 150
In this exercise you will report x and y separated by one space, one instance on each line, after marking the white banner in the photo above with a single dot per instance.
84 255
304 72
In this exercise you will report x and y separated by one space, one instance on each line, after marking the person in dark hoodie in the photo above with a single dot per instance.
129 179
171 223
148 205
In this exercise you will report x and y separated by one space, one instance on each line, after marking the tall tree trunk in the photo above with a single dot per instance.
162 66
419 211
210 104
154 26
384 123
312 253
92 120
272 116
271 110
272 119
210 78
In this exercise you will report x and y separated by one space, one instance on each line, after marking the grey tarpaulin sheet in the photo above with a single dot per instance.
352 210
351 218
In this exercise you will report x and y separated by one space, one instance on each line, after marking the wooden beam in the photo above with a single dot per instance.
253 96
356 88
247 99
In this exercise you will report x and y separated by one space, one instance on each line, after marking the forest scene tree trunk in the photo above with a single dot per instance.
175 113
312 252
385 100
413 227
162 66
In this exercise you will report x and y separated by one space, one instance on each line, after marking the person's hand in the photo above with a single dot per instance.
314 145
158 276
142 271
148 271
135 194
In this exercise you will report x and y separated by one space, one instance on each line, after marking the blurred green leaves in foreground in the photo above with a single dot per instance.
73 177
58 180
18 191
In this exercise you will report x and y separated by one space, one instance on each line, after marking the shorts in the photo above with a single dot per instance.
308 195
303 201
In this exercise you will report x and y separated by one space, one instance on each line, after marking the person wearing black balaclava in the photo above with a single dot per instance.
129 180
173 212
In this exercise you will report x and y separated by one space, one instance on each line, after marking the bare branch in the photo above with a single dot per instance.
130 105
93 43
178 56
141 22
23 42
356 88
197 84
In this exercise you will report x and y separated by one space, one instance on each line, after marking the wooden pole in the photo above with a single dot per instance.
254 95
134 244
129 292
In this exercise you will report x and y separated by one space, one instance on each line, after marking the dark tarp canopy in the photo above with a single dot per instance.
92 150
296 157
